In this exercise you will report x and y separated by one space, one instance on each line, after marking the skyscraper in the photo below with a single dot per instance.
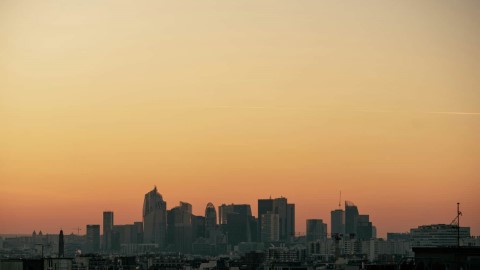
180 228
239 223
337 222
290 221
107 230
198 227
364 227
285 211
270 227
154 219
223 211
316 230
210 219
351 216
264 206
93 238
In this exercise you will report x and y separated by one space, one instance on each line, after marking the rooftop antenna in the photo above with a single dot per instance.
340 200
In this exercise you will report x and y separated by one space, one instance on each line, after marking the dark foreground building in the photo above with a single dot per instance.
451 258
36 264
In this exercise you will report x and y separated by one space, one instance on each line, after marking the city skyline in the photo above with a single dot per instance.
346 204
231 101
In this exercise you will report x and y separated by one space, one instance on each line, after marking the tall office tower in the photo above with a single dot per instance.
270 227
316 230
154 219
93 238
285 211
180 227
107 230
264 206
240 225
364 227
61 245
253 225
223 211
337 222
210 219
280 208
351 216
198 227
291 221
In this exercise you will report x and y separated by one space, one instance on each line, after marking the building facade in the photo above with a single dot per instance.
337 222
270 227
107 230
437 235
93 239
154 219
316 230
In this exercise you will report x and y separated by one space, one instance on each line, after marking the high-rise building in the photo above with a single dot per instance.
198 227
154 219
238 223
316 230
351 216
93 238
291 221
285 211
270 227
180 228
337 222
364 227
210 219
223 211
107 230
264 206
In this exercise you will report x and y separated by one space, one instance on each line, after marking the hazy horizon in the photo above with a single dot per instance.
231 101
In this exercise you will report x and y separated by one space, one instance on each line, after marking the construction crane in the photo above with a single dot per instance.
78 230
456 222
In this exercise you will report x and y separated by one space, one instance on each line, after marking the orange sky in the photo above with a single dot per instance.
231 101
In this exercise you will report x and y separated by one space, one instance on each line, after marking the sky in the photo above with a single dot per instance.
231 101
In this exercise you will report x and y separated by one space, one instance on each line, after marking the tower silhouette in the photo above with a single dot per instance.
61 245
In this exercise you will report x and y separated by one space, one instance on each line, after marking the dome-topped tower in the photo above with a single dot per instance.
210 219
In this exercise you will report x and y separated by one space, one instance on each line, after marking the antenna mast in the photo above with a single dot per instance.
340 200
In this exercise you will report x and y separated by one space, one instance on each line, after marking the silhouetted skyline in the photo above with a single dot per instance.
231 101
158 219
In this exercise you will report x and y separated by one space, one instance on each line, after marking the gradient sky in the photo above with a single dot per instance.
231 101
